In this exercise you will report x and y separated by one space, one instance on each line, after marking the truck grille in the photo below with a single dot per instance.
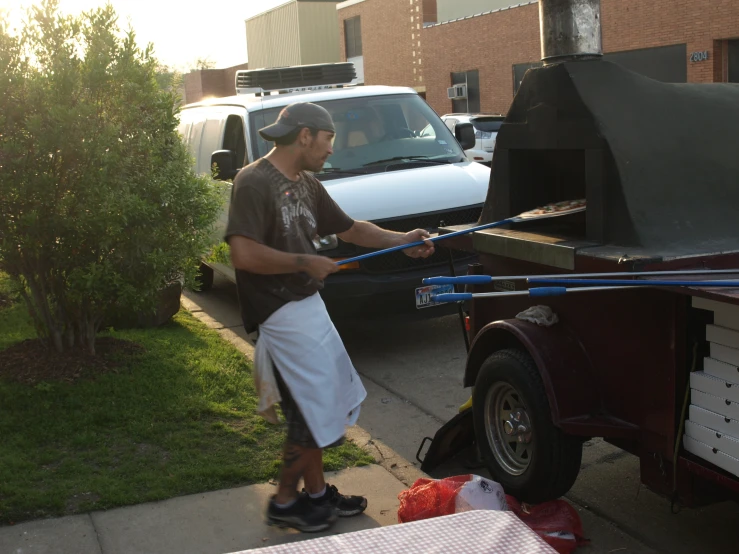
397 261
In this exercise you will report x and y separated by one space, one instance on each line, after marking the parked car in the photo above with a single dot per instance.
383 169
486 130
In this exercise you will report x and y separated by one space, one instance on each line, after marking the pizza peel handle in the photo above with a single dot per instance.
634 283
552 210
486 279
533 293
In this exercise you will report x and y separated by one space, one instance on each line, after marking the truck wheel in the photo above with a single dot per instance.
532 459
204 278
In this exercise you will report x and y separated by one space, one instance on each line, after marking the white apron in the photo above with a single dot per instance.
301 340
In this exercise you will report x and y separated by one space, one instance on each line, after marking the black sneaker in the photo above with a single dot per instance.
345 506
303 515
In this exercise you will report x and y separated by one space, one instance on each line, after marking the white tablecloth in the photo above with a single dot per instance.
474 532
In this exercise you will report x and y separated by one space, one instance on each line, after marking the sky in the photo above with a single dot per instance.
181 32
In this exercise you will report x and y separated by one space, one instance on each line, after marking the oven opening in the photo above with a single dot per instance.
541 177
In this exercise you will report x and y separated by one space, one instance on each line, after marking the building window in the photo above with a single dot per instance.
353 37
470 104
662 63
733 76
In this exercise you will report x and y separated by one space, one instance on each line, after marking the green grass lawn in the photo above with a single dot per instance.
177 418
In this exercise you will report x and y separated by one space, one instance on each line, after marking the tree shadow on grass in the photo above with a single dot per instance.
177 416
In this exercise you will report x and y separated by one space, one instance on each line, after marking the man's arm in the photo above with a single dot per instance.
369 235
249 255
332 218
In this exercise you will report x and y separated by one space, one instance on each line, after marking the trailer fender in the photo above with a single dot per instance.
563 364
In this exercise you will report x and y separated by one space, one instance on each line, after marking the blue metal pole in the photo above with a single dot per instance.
420 242
533 293
632 283
486 279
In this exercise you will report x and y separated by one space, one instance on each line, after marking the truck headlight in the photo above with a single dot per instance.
326 243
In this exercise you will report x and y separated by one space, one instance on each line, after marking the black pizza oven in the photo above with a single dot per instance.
658 163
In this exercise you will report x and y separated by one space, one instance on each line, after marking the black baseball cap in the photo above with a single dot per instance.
299 114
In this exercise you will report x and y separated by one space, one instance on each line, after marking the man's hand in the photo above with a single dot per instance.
318 267
423 251
369 235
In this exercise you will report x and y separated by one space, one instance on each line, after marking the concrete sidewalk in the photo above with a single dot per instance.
215 522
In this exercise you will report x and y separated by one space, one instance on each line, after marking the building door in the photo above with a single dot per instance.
734 61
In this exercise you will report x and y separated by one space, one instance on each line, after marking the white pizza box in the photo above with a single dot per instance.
720 369
715 404
715 306
725 354
713 455
715 421
702 381
728 319
722 335
715 439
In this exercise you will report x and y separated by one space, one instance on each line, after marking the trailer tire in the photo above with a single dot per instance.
204 278
542 465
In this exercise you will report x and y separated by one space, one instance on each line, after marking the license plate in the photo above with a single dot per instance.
423 295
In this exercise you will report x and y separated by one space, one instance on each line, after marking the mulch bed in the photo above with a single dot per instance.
30 362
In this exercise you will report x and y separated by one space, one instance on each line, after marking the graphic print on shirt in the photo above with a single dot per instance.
297 218
295 204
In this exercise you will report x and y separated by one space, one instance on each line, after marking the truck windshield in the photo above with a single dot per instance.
375 129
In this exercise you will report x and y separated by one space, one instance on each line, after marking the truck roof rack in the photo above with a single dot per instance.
294 78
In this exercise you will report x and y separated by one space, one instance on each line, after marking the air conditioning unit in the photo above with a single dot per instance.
295 78
457 92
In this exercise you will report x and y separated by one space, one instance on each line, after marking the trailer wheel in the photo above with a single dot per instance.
532 459
204 278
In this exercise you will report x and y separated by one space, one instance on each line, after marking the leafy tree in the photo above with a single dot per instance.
100 205
204 63
168 78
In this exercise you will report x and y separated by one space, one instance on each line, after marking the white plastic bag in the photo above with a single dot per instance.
480 494
541 315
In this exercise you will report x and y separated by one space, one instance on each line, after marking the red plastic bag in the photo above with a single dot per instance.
429 498
556 522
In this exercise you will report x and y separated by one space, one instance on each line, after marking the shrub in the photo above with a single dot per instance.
100 205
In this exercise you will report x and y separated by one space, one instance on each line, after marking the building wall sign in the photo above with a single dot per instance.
699 56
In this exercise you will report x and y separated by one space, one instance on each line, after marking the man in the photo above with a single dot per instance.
277 209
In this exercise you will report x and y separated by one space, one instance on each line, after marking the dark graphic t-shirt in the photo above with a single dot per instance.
286 215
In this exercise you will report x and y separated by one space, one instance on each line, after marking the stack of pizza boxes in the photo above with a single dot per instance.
712 430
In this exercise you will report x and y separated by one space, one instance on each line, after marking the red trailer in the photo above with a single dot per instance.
659 166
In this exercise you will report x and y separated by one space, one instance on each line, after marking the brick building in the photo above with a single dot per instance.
211 83
384 37
669 40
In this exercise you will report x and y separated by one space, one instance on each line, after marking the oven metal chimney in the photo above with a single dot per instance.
570 30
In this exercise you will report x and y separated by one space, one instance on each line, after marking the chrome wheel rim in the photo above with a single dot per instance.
508 428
